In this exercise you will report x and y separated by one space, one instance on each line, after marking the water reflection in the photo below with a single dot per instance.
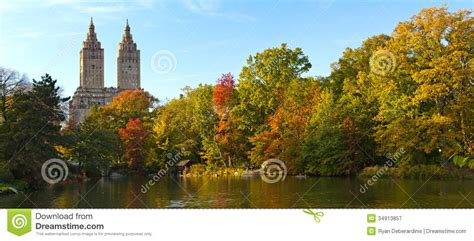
248 192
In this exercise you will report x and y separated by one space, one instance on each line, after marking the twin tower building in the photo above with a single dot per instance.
91 90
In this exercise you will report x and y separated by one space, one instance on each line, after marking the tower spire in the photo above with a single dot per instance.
91 36
127 37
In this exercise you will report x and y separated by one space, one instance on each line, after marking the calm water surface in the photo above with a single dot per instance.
248 192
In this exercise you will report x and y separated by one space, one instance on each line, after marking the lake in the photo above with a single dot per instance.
248 192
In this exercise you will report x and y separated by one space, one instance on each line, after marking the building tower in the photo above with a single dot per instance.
128 62
91 61
91 91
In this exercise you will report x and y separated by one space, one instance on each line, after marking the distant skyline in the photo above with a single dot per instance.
205 38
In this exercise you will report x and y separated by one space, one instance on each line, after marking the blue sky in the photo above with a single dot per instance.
201 38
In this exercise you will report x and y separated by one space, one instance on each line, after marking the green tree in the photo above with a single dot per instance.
205 122
174 129
325 149
358 103
263 82
92 145
31 129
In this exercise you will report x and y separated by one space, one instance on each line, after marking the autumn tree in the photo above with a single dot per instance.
174 129
133 137
222 95
339 139
285 132
358 103
263 82
111 121
426 103
231 142
129 104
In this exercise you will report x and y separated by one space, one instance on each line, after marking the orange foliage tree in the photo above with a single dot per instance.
222 95
283 135
129 104
133 137
231 141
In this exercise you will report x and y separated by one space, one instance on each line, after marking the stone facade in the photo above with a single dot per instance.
84 98
128 62
91 91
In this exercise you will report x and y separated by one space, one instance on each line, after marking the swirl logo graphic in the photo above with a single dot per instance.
54 171
19 221
273 171
382 62
163 62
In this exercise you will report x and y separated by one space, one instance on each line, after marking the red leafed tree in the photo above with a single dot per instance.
233 145
286 128
223 92
133 138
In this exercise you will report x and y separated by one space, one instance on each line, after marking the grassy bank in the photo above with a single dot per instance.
413 172
419 172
